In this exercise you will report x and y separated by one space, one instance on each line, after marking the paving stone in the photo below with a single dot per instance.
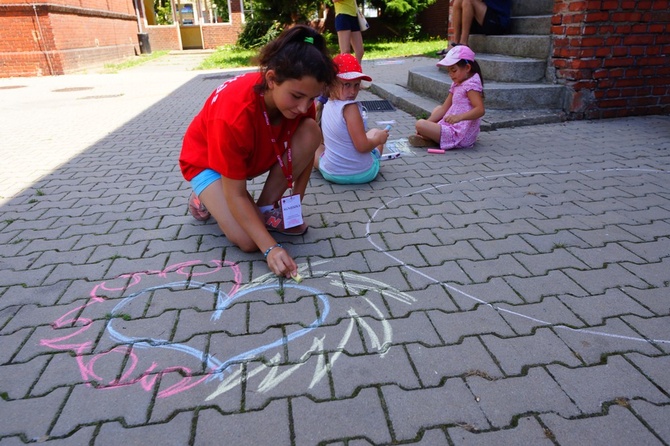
432 297
656 417
502 400
594 343
595 309
214 427
82 436
467 358
44 339
528 431
179 432
540 264
657 329
484 270
514 355
91 271
654 274
590 387
494 291
651 251
16 380
361 416
416 328
554 283
551 241
610 253
451 403
43 295
484 319
19 415
265 382
654 368
550 311
619 426
85 403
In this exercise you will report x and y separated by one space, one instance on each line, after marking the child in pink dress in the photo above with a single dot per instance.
455 123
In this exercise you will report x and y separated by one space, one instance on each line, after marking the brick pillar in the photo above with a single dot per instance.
613 56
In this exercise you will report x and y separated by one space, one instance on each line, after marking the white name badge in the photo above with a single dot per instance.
291 209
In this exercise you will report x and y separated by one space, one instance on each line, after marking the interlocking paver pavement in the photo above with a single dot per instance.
515 293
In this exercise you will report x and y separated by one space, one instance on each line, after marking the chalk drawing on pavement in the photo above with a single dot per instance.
228 372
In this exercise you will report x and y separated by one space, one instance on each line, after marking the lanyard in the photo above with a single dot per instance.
288 167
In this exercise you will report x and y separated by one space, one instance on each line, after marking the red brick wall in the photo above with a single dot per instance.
613 56
64 36
164 37
434 20
218 34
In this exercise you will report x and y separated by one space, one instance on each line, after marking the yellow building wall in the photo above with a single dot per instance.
191 37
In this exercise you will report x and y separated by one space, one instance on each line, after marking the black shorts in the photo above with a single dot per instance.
491 25
345 22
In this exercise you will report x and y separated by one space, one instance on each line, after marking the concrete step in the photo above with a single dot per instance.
421 107
531 25
434 83
501 68
526 45
532 7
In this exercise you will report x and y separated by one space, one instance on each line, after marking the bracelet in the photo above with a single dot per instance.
267 251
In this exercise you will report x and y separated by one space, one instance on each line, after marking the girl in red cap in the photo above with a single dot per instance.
349 155
255 124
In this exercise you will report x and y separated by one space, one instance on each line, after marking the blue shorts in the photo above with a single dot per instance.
204 179
345 22
358 178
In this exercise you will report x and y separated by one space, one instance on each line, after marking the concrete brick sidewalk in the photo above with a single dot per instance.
511 294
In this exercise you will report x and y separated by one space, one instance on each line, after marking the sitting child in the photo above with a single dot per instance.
455 123
349 155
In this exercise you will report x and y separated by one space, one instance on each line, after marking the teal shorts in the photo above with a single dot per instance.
358 178
204 179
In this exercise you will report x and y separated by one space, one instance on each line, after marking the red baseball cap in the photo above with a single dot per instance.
348 68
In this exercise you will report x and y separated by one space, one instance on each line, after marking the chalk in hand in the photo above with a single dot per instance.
297 277
388 127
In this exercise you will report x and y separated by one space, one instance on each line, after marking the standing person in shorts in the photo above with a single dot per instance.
489 17
349 35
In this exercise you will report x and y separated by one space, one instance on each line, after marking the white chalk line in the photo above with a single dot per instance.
476 299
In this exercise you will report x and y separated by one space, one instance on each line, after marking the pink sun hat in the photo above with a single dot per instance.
459 52
349 69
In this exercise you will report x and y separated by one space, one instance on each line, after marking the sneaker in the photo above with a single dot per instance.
274 222
418 141
197 209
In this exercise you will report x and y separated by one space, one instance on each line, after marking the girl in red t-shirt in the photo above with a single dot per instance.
259 123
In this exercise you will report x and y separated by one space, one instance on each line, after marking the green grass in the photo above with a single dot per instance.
139 60
232 57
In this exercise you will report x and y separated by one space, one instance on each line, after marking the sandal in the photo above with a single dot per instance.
418 141
274 222
197 209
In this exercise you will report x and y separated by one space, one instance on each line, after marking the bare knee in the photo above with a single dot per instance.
241 240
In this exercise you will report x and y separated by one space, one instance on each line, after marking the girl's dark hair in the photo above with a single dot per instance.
475 68
297 52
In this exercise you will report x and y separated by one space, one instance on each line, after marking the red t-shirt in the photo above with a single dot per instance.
230 134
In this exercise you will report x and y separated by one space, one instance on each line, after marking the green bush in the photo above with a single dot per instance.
257 33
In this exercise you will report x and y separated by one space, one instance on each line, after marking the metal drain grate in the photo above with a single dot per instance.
377 106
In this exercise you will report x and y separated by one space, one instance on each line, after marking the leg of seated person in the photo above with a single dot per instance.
470 10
